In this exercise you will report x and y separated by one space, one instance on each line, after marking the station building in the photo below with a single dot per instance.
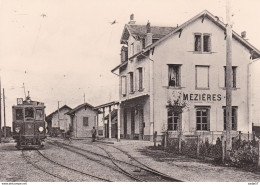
83 119
162 65
59 119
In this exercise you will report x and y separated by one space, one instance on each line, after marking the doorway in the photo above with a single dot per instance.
141 124
132 123
125 123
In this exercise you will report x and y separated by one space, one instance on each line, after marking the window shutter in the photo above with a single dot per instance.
143 77
123 82
134 74
165 75
136 79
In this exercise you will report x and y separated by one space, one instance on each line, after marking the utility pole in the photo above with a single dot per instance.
24 91
4 114
84 97
0 112
228 80
58 113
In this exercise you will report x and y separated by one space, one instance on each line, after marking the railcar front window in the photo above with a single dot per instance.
39 114
19 114
29 113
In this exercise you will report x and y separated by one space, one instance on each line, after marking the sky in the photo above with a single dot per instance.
63 49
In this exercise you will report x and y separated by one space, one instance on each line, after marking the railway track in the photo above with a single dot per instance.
141 170
55 169
128 166
98 158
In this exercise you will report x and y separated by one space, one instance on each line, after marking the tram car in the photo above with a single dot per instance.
29 123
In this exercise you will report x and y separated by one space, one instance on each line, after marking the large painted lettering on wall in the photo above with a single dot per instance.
202 97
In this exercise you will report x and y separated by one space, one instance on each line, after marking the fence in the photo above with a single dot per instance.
244 152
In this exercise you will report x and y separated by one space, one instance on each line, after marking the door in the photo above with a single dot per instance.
125 123
141 124
132 123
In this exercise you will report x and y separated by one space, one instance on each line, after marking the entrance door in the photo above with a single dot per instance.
132 123
125 123
141 124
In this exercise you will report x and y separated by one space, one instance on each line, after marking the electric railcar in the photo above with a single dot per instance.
29 123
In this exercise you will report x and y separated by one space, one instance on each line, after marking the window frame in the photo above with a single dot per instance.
207 108
125 85
234 125
20 108
29 118
172 117
131 85
140 78
202 47
42 118
85 123
178 75
132 49
196 78
234 77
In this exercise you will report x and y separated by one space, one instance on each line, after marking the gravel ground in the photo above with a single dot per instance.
185 168
14 168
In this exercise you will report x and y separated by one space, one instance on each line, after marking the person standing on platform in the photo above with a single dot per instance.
94 133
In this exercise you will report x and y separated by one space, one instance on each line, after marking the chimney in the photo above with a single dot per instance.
131 19
243 34
149 35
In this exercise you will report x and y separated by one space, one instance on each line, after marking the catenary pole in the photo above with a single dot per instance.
228 79
4 114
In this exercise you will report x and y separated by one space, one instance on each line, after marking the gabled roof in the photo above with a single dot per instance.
63 107
139 31
84 105
255 52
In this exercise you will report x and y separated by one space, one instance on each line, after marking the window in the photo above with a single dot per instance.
124 54
234 76
174 75
202 118
202 41
29 113
123 85
85 121
140 82
173 119
202 77
234 117
132 49
131 82
19 114
39 114
206 43
143 43
197 42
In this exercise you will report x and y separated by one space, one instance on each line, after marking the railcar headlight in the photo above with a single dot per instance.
41 129
17 129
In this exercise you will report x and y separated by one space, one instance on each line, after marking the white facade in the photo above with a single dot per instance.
199 80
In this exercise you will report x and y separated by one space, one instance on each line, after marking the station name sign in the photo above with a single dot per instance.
202 97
